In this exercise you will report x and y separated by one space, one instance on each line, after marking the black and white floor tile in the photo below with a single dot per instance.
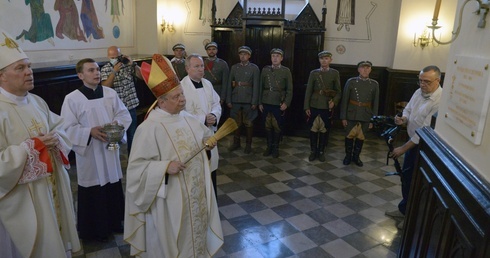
290 207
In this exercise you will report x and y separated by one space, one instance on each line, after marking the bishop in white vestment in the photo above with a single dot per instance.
171 209
37 217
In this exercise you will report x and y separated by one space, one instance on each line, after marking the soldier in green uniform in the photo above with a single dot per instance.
322 94
360 101
178 61
243 96
276 93
217 72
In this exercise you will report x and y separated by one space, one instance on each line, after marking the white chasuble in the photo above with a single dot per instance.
179 218
191 180
38 215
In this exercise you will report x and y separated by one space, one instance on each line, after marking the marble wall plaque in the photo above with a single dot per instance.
469 93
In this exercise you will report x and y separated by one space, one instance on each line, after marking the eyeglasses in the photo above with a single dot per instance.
425 82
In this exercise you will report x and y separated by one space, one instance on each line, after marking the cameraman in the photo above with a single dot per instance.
119 74
418 112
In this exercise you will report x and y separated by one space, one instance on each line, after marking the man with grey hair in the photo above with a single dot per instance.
37 217
202 102
418 113
171 209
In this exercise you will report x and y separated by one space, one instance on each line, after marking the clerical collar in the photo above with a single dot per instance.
90 93
276 66
324 69
198 85
19 100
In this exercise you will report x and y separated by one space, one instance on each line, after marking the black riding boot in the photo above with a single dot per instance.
357 151
348 150
275 144
322 143
236 141
313 144
269 134
248 146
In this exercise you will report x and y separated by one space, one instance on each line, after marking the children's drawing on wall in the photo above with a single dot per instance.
90 21
344 27
68 24
41 28
346 14
115 11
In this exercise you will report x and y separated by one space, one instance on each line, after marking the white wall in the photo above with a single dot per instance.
147 29
415 15
387 41
372 37
472 42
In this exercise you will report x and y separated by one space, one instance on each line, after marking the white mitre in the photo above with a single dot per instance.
10 52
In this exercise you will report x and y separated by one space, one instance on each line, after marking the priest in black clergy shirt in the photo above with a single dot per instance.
202 102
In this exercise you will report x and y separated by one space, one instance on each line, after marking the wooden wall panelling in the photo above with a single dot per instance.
229 40
306 49
449 205
261 39
400 87
300 39
54 84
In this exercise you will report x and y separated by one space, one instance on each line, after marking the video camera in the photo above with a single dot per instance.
388 129
385 126
123 59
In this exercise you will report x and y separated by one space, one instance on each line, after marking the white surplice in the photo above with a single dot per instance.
96 165
37 216
199 103
181 218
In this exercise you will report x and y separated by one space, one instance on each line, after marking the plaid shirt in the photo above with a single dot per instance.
123 84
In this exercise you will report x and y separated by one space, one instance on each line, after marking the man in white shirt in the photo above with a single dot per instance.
418 113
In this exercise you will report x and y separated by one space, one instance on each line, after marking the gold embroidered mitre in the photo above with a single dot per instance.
10 52
160 75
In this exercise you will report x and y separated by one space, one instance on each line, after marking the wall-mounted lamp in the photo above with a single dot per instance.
483 8
424 40
166 25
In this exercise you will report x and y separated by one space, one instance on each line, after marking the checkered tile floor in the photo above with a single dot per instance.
290 207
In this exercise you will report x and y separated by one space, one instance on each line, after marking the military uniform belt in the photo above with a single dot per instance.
329 93
245 84
360 104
